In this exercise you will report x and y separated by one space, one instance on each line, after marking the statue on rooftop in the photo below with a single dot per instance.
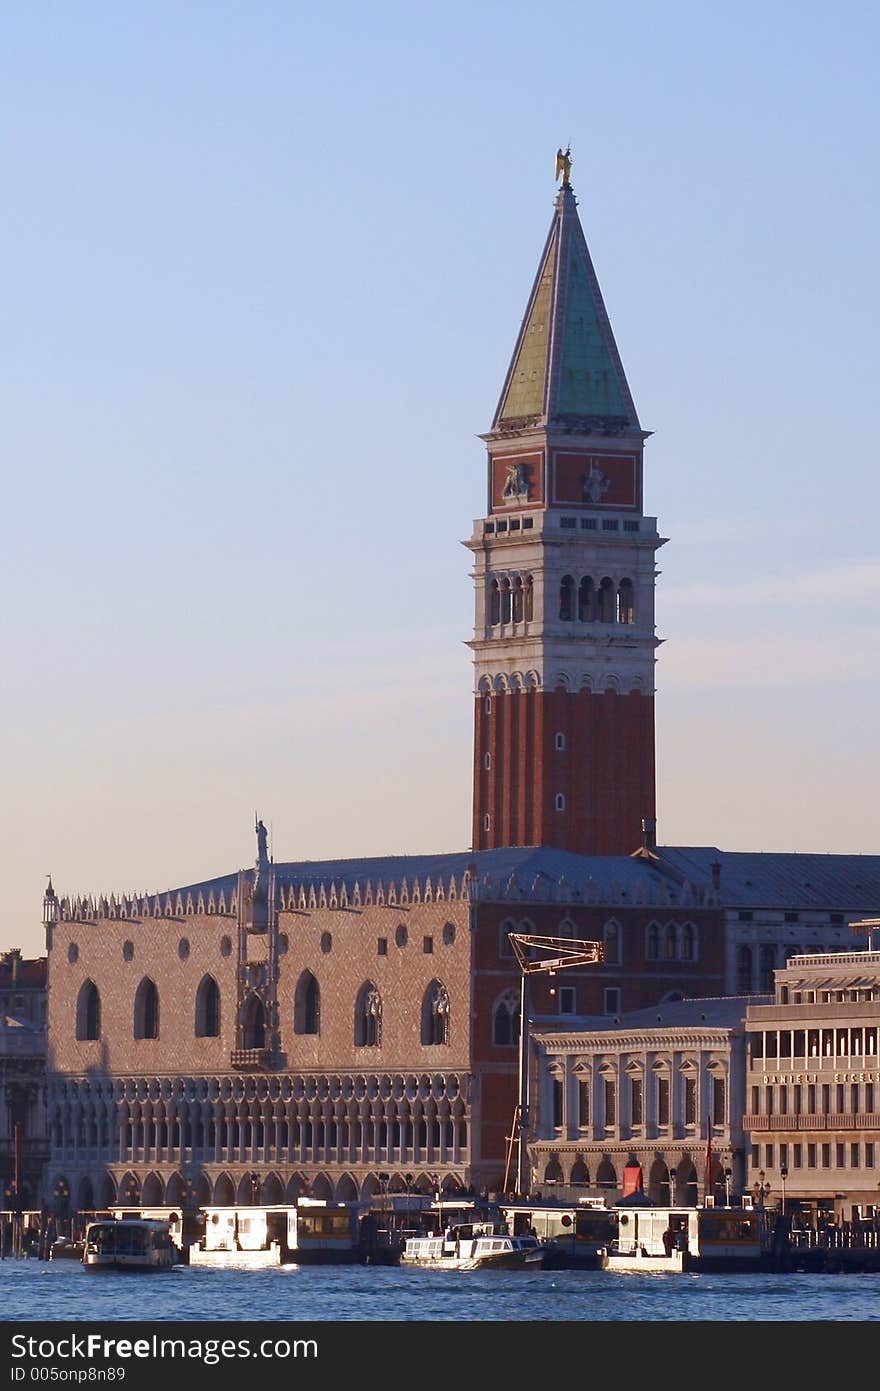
563 163
262 842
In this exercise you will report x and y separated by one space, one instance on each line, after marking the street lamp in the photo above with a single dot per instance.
783 1174
255 1184
728 1175
761 1189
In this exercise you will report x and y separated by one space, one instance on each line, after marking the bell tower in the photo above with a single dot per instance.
564 642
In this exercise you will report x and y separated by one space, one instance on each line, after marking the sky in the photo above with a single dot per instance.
263 271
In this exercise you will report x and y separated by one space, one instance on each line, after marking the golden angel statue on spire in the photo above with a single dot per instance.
563 163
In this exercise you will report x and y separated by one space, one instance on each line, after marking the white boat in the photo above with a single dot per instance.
311 1232
131 1243
676 1239
575 1236
474 1246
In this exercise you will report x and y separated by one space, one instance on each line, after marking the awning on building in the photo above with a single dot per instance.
632 1179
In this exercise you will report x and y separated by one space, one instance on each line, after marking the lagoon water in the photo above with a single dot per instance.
46 1291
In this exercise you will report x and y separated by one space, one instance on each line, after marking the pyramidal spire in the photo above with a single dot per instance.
566 370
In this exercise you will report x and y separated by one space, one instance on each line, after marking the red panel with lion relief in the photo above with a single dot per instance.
595 480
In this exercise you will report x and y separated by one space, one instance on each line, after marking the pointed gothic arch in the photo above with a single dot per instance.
224 1192
652 946
253 1027
435 1015
146 1010
208 1008
307 1005
88 1012
368 1017
506 1020
153 1194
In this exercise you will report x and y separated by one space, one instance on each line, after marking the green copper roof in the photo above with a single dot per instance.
566 367
587 382
525 394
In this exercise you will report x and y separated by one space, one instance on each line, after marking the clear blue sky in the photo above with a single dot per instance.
263 268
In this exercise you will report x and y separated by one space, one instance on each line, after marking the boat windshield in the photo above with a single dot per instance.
123 1239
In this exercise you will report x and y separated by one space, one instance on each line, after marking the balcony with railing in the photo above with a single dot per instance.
250 1059
819 1120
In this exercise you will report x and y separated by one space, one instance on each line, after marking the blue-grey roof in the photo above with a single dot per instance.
723 1011
529 864
777 879
768 879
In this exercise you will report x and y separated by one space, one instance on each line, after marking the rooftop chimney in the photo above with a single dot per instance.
12 959
715 867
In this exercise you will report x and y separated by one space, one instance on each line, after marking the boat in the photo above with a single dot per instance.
675 1239
575 1236
474 1246
311 1232
476 1241
66 1248
130 1243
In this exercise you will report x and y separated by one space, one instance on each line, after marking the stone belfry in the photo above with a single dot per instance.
564 641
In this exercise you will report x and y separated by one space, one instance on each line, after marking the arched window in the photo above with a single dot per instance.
768 963
653 948
580 1175
625 603
494 602
566 599
368 1017
529 599
586 600
611 938
606 604
505 1020
518 600
254 1026
208 1008
505 600
670 944
88 1012
435 1014
605 1175
307 1005
688 942
146 1010
744 970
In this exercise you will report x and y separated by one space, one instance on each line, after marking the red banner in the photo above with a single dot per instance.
632 1180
